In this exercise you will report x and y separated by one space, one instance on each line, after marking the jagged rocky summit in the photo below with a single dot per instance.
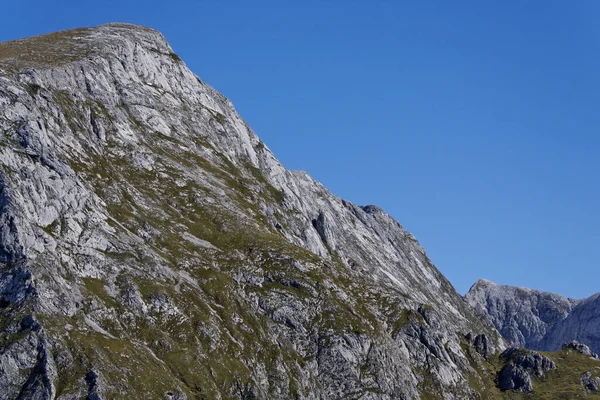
535 319
151 246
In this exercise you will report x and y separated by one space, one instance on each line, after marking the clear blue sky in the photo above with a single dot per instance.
475 124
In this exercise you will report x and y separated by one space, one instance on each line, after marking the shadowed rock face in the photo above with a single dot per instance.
522 364
589 382
537 320
582 324
152 246
531 361
513 377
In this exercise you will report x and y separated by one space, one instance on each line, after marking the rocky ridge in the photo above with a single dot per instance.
151 246
535 319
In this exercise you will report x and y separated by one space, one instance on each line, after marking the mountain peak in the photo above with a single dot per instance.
63 47
485 282
151 224
525 317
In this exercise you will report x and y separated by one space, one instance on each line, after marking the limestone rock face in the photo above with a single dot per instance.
535 319
151 246
582 324
523 316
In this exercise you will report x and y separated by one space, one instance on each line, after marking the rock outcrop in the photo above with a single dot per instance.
579 347
151 246
522 364
513 377
588 382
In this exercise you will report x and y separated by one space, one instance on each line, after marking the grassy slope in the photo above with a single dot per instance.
560 384
564 382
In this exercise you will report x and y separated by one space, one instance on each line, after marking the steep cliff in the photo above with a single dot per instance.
152 246
535 319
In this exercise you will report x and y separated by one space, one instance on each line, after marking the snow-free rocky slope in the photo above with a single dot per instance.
535 319
151 246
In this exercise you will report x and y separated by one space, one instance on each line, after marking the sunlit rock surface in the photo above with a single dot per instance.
151 246
535 319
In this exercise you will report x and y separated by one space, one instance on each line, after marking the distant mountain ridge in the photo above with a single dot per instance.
535 319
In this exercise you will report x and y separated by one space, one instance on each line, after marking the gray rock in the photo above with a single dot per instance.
580 347
582 324
534 319
483 346
522 364
163 251
513 377
531 361
588 382
95 384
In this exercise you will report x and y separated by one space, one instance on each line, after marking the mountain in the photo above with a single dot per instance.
582 324
535 319
152 246
523 316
